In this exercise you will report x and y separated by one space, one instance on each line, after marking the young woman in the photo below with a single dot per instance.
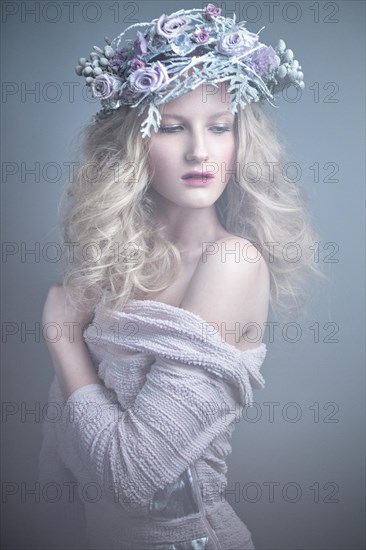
178 251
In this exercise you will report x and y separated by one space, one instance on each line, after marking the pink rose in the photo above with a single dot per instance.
201 35
137 64
211 11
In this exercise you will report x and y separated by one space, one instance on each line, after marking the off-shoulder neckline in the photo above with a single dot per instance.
197 317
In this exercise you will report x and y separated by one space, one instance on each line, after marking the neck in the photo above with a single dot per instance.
189 228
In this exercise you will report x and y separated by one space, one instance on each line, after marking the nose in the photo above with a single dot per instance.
197 148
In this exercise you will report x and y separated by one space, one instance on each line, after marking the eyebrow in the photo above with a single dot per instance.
171 115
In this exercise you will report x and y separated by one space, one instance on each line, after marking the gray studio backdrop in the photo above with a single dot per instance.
296 473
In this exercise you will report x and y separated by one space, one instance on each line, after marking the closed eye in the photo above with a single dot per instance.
168 129
174 129
223 129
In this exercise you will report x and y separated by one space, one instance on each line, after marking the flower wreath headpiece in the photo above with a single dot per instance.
148 70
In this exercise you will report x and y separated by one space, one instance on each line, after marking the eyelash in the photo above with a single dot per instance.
171 129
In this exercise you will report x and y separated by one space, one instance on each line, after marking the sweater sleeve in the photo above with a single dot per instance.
177 413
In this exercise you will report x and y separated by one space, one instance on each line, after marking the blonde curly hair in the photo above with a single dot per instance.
121 253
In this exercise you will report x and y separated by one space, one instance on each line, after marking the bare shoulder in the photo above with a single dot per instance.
230 288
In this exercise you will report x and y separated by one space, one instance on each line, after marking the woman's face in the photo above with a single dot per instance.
197 133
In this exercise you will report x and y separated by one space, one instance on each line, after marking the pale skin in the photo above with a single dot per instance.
231 291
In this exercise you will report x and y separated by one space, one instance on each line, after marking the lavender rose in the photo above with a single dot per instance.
169 27
211 11
127 95
105 86
140 44
118 61
236 43
263 60
148 79
201 36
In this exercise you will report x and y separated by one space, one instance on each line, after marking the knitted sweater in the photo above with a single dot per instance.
145 451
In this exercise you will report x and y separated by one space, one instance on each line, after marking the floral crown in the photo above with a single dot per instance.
147 71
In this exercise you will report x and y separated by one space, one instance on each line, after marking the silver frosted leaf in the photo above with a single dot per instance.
115 103
182 45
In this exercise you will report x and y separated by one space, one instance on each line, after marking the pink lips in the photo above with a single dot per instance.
197 179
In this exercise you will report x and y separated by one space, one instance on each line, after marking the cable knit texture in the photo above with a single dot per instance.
171 396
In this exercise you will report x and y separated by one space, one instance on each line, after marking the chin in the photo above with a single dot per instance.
194 203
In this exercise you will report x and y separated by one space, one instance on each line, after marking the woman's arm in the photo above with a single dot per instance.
70 357
73 366
175 416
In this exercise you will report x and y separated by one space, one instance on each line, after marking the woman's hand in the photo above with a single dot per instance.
58 309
